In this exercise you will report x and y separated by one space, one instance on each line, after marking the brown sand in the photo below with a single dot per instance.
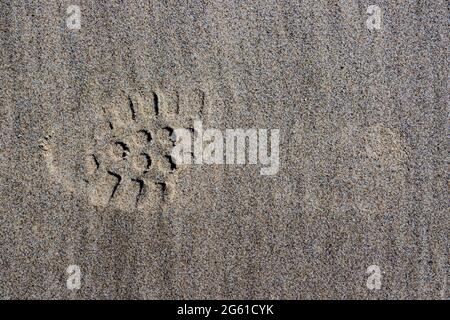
363 125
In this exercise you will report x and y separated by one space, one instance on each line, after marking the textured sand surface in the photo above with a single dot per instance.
363 119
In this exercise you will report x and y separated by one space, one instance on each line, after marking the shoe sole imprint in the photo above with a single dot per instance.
129 166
